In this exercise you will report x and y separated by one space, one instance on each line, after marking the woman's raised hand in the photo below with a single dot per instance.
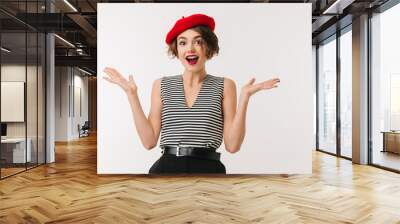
250 88
129 86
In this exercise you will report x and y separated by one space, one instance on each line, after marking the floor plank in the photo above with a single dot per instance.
70 191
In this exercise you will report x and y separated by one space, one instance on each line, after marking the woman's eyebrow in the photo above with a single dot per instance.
198 36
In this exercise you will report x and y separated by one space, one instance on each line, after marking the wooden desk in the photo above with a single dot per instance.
391 141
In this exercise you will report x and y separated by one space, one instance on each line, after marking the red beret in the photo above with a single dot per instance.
189 22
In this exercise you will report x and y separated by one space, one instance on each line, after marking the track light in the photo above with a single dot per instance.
70 5
337 7
5 50
65 41
84 71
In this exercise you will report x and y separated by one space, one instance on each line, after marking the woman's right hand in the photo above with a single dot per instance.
129 86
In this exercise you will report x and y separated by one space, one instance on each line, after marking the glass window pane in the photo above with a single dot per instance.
346 94
327 97
386 89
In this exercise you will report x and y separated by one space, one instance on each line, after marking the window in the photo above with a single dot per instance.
346 75
327 96
385 88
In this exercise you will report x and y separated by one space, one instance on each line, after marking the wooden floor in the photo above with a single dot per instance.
70 191
5 172
387 159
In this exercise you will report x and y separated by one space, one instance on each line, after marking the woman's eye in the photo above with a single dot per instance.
181 43
199 42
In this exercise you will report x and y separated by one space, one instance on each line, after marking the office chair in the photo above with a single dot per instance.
84 130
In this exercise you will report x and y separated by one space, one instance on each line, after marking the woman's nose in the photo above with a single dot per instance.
191 47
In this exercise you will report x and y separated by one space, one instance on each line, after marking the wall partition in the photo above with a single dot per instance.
22 88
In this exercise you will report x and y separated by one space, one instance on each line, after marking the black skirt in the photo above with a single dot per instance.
171 164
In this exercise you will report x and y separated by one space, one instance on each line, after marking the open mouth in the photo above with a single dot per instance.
192 59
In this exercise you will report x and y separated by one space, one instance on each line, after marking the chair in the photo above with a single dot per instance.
84 130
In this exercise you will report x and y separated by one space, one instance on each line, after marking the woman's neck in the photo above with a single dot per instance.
194 78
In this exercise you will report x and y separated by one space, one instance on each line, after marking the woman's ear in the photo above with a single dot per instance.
208 54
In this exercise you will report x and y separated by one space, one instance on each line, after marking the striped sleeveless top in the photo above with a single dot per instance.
198 126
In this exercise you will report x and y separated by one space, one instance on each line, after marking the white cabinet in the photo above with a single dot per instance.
18 149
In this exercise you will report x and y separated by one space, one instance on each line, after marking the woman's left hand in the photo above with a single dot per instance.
250 88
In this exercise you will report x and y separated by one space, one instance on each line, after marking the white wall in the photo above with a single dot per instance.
81 100
256 40
67 117
61 103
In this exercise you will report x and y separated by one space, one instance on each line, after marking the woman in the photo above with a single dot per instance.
193 111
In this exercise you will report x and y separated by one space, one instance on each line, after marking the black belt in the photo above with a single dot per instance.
205 153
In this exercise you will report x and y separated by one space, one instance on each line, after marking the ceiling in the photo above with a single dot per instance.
76 21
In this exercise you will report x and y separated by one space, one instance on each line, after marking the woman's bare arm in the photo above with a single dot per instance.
234 121
235 118
147 128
